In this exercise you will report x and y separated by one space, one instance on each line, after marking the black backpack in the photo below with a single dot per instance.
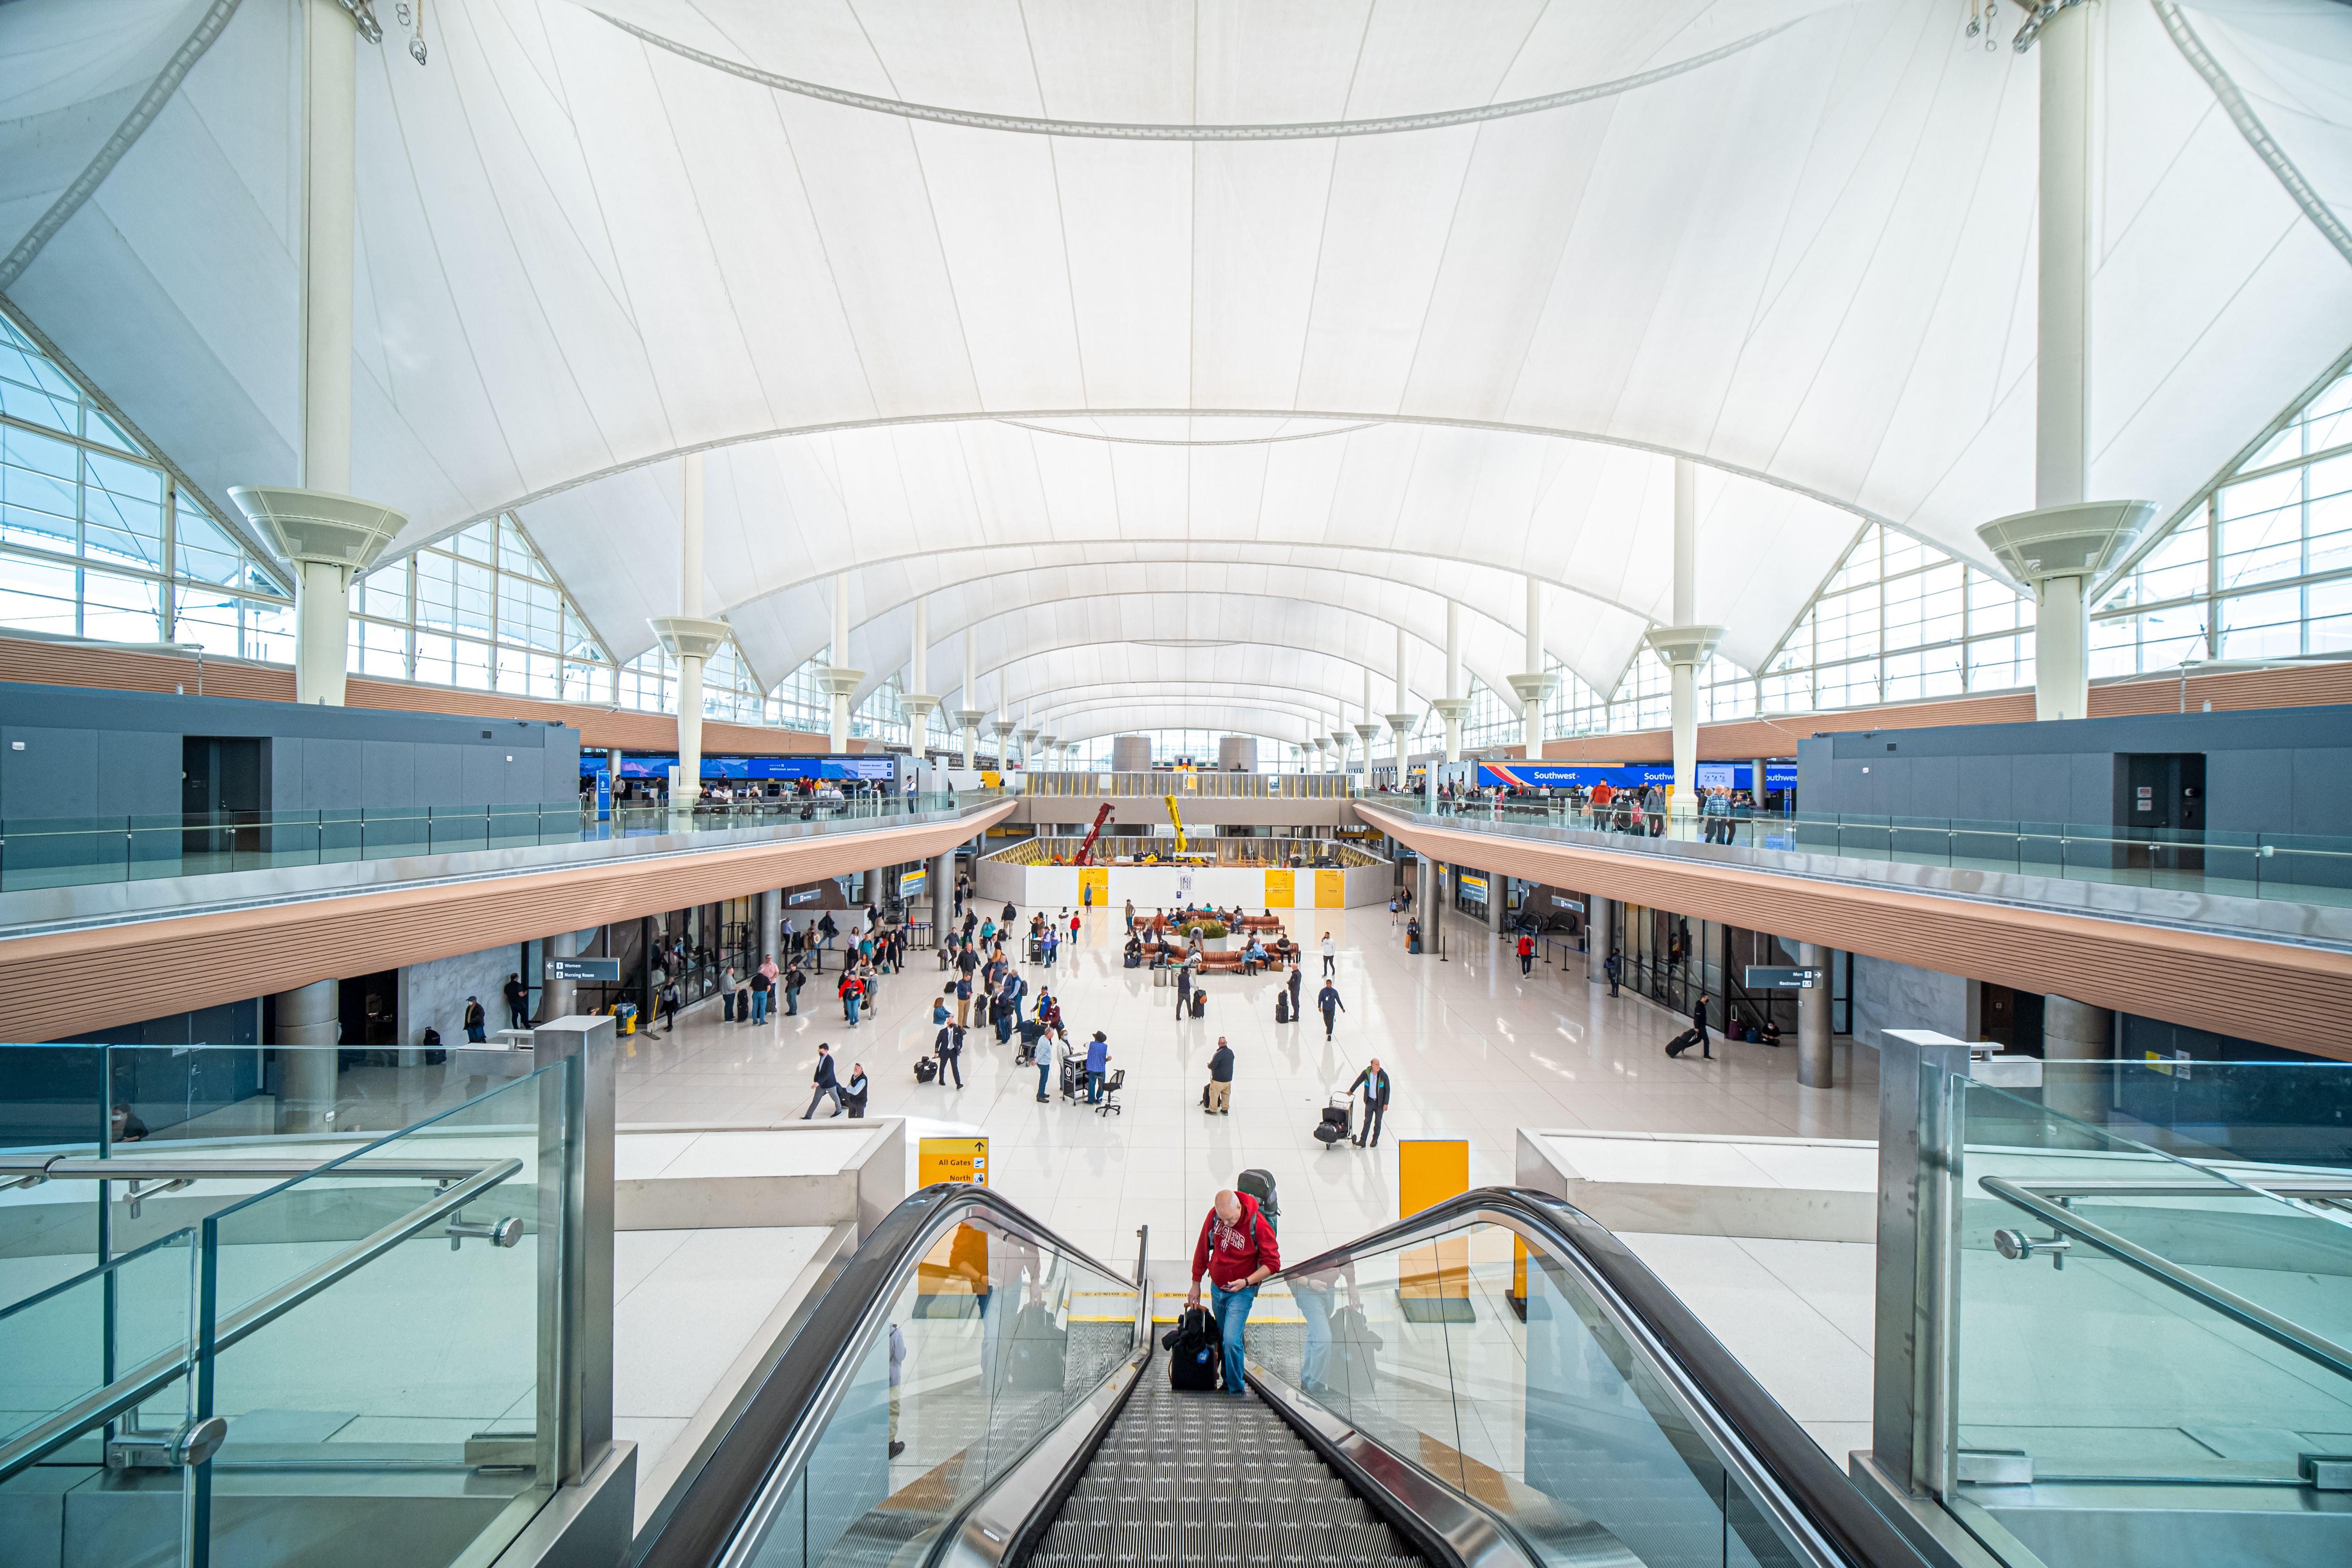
1196 1359
1259 1185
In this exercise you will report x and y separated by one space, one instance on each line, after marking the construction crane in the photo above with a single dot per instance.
1086 850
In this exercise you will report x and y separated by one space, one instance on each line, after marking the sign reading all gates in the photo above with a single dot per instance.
963 1160
604 970
1764 977
912 883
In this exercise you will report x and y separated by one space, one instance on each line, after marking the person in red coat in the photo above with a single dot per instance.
1236 1252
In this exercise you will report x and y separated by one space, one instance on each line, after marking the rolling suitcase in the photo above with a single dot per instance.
1200 1003
1282 1006
1196 1360
926 1069
1682 1042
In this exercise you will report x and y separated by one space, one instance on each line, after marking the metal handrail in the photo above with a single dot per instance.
1787 1469
737 1491
2229 1303
74 1167
45 1437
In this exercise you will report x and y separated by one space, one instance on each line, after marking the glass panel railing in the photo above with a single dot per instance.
990 1342
60 852
2300 869
1495 1366
441 1240
2127 1314
304 1337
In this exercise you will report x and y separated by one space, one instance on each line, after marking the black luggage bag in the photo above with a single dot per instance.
1338 1123
1282 1006
1036 1354
1196 1356
926 1068
1682 1042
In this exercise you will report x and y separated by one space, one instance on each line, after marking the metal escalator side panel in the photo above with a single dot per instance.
1001 1528
756 1469
1683 1394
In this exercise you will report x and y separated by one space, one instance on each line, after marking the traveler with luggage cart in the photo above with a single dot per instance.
1374 1081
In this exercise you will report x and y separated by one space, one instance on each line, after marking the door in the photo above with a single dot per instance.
221 794
2160 814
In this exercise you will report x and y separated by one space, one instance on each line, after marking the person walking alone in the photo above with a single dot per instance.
1699 1021
1327 1000
1526 953
1330 956
828 1087
1236 1251
1610 969
853 1092
518 998
950 1046
1220 1080
1374 1081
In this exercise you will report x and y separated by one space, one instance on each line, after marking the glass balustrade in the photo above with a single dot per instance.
247 1327
2300 869
992 1342
62 852
1501 1368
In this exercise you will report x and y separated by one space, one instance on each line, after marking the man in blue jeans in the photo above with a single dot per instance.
1237 1252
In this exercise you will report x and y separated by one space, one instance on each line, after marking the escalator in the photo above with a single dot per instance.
1496 1383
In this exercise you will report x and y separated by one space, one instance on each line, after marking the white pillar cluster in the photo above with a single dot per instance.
972 712
2067 540
1401 722
1535 683
1686 645
840 682
1453 707
329 536
918 702
688 637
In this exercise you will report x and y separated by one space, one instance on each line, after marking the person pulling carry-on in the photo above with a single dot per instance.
1682 1042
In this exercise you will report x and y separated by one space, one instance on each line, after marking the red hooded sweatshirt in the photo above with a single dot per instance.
1228 1254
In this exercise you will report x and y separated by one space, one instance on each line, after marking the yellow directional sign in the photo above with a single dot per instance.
951 1160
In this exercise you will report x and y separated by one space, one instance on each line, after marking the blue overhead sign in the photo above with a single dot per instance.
884 768
1630 775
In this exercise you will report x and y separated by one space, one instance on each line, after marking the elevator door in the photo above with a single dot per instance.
2160 811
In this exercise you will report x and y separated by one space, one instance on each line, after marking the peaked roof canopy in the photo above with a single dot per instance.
1113 325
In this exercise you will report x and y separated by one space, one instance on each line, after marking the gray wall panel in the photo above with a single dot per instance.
2041 786
440 774
55 774
480 776
387 774
2091 787
2242 789
137 774
332 771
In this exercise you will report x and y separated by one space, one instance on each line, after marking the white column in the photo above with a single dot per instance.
1686 645
1534 683
309 1016
840 681
918 702
971 713
688 637
329 535
2067 540
1452 707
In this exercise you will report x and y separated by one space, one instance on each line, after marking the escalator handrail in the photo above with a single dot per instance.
797 1396
1784 1452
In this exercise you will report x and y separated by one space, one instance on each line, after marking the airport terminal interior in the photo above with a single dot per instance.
1175 783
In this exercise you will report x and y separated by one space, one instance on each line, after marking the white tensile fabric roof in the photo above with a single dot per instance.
1263 325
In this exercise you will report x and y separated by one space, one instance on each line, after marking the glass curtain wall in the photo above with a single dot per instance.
2261 567
99 540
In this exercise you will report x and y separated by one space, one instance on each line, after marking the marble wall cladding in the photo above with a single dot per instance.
433 995
1890 995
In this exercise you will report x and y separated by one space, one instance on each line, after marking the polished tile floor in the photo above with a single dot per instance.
1475 1052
